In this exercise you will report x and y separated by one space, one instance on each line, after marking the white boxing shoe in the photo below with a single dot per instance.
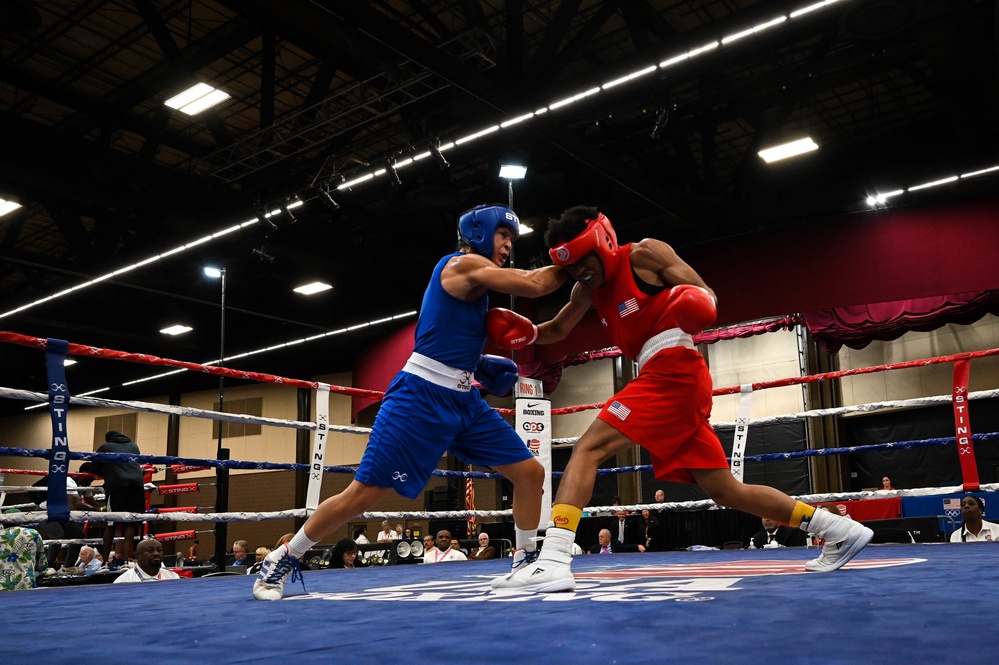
542 576
274 572
835 555
521 559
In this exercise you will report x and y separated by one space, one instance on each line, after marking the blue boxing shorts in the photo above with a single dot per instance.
419 421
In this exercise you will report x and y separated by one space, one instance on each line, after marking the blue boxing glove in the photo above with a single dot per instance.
497 374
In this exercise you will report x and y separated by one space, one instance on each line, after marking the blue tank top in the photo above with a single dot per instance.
449 330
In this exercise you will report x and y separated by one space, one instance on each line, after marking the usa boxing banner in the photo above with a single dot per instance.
534 424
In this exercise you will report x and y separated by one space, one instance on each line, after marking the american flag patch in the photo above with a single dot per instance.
952 508
619 410
627 307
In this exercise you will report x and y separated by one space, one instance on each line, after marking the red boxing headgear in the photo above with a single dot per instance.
598 237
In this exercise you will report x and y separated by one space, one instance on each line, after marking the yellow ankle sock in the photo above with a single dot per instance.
802 513
566 516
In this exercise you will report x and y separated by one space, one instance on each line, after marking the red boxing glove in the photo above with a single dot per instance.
509 330
692 308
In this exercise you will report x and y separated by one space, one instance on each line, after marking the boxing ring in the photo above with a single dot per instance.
893 603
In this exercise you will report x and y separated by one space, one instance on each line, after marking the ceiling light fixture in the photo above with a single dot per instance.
176 329
8 207
512 171
313 288
196 99
787 150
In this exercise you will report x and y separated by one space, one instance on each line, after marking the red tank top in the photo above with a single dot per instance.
630 316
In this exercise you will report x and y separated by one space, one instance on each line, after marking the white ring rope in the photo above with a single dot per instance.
82 516
838 411
181 411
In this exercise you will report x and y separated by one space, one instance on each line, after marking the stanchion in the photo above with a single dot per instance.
222 506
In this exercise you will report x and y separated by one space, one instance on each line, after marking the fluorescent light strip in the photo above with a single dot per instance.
629 77
974 173
811 8
689 54
927 185
215 362
515 121
476 135
788 150
119 271
755 29
574 98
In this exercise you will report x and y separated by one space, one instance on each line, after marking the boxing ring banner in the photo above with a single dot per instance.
319 441
962 426
55 367
741 431
534 424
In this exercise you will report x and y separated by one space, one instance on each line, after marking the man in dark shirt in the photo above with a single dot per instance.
125 491
775 534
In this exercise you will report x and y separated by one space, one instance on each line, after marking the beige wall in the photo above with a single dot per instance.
921 381
766 357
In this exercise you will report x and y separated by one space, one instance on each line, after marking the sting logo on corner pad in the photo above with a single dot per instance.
680 583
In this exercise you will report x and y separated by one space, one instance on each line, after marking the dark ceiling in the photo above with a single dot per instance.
896 93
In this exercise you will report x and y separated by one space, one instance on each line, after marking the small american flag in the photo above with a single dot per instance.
470 505
627 307
619 410
952 508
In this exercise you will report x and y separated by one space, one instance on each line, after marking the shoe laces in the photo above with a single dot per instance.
529 558
285 565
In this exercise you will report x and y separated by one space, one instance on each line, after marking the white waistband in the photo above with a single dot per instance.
664 340
438 373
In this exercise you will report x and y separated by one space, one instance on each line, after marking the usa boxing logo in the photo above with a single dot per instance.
684 583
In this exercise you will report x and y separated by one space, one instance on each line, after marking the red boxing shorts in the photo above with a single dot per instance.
665 410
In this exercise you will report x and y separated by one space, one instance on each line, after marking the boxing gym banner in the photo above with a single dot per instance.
534 424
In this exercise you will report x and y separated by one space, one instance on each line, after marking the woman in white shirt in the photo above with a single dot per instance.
975 529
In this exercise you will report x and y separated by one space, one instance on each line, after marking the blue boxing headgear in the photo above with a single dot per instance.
478 226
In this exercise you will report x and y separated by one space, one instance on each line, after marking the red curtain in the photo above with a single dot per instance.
858 326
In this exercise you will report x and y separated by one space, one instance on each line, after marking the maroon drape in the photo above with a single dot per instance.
858 326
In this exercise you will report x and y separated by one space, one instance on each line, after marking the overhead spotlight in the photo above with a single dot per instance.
265 217
286 209
661 119
263 254
390 167
327 199
435 152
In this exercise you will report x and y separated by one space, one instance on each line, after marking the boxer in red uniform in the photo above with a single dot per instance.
650 302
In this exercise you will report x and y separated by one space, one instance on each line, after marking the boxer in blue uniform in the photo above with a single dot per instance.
431 406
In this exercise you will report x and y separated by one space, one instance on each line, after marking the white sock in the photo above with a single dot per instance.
829 527
300 544
523 539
